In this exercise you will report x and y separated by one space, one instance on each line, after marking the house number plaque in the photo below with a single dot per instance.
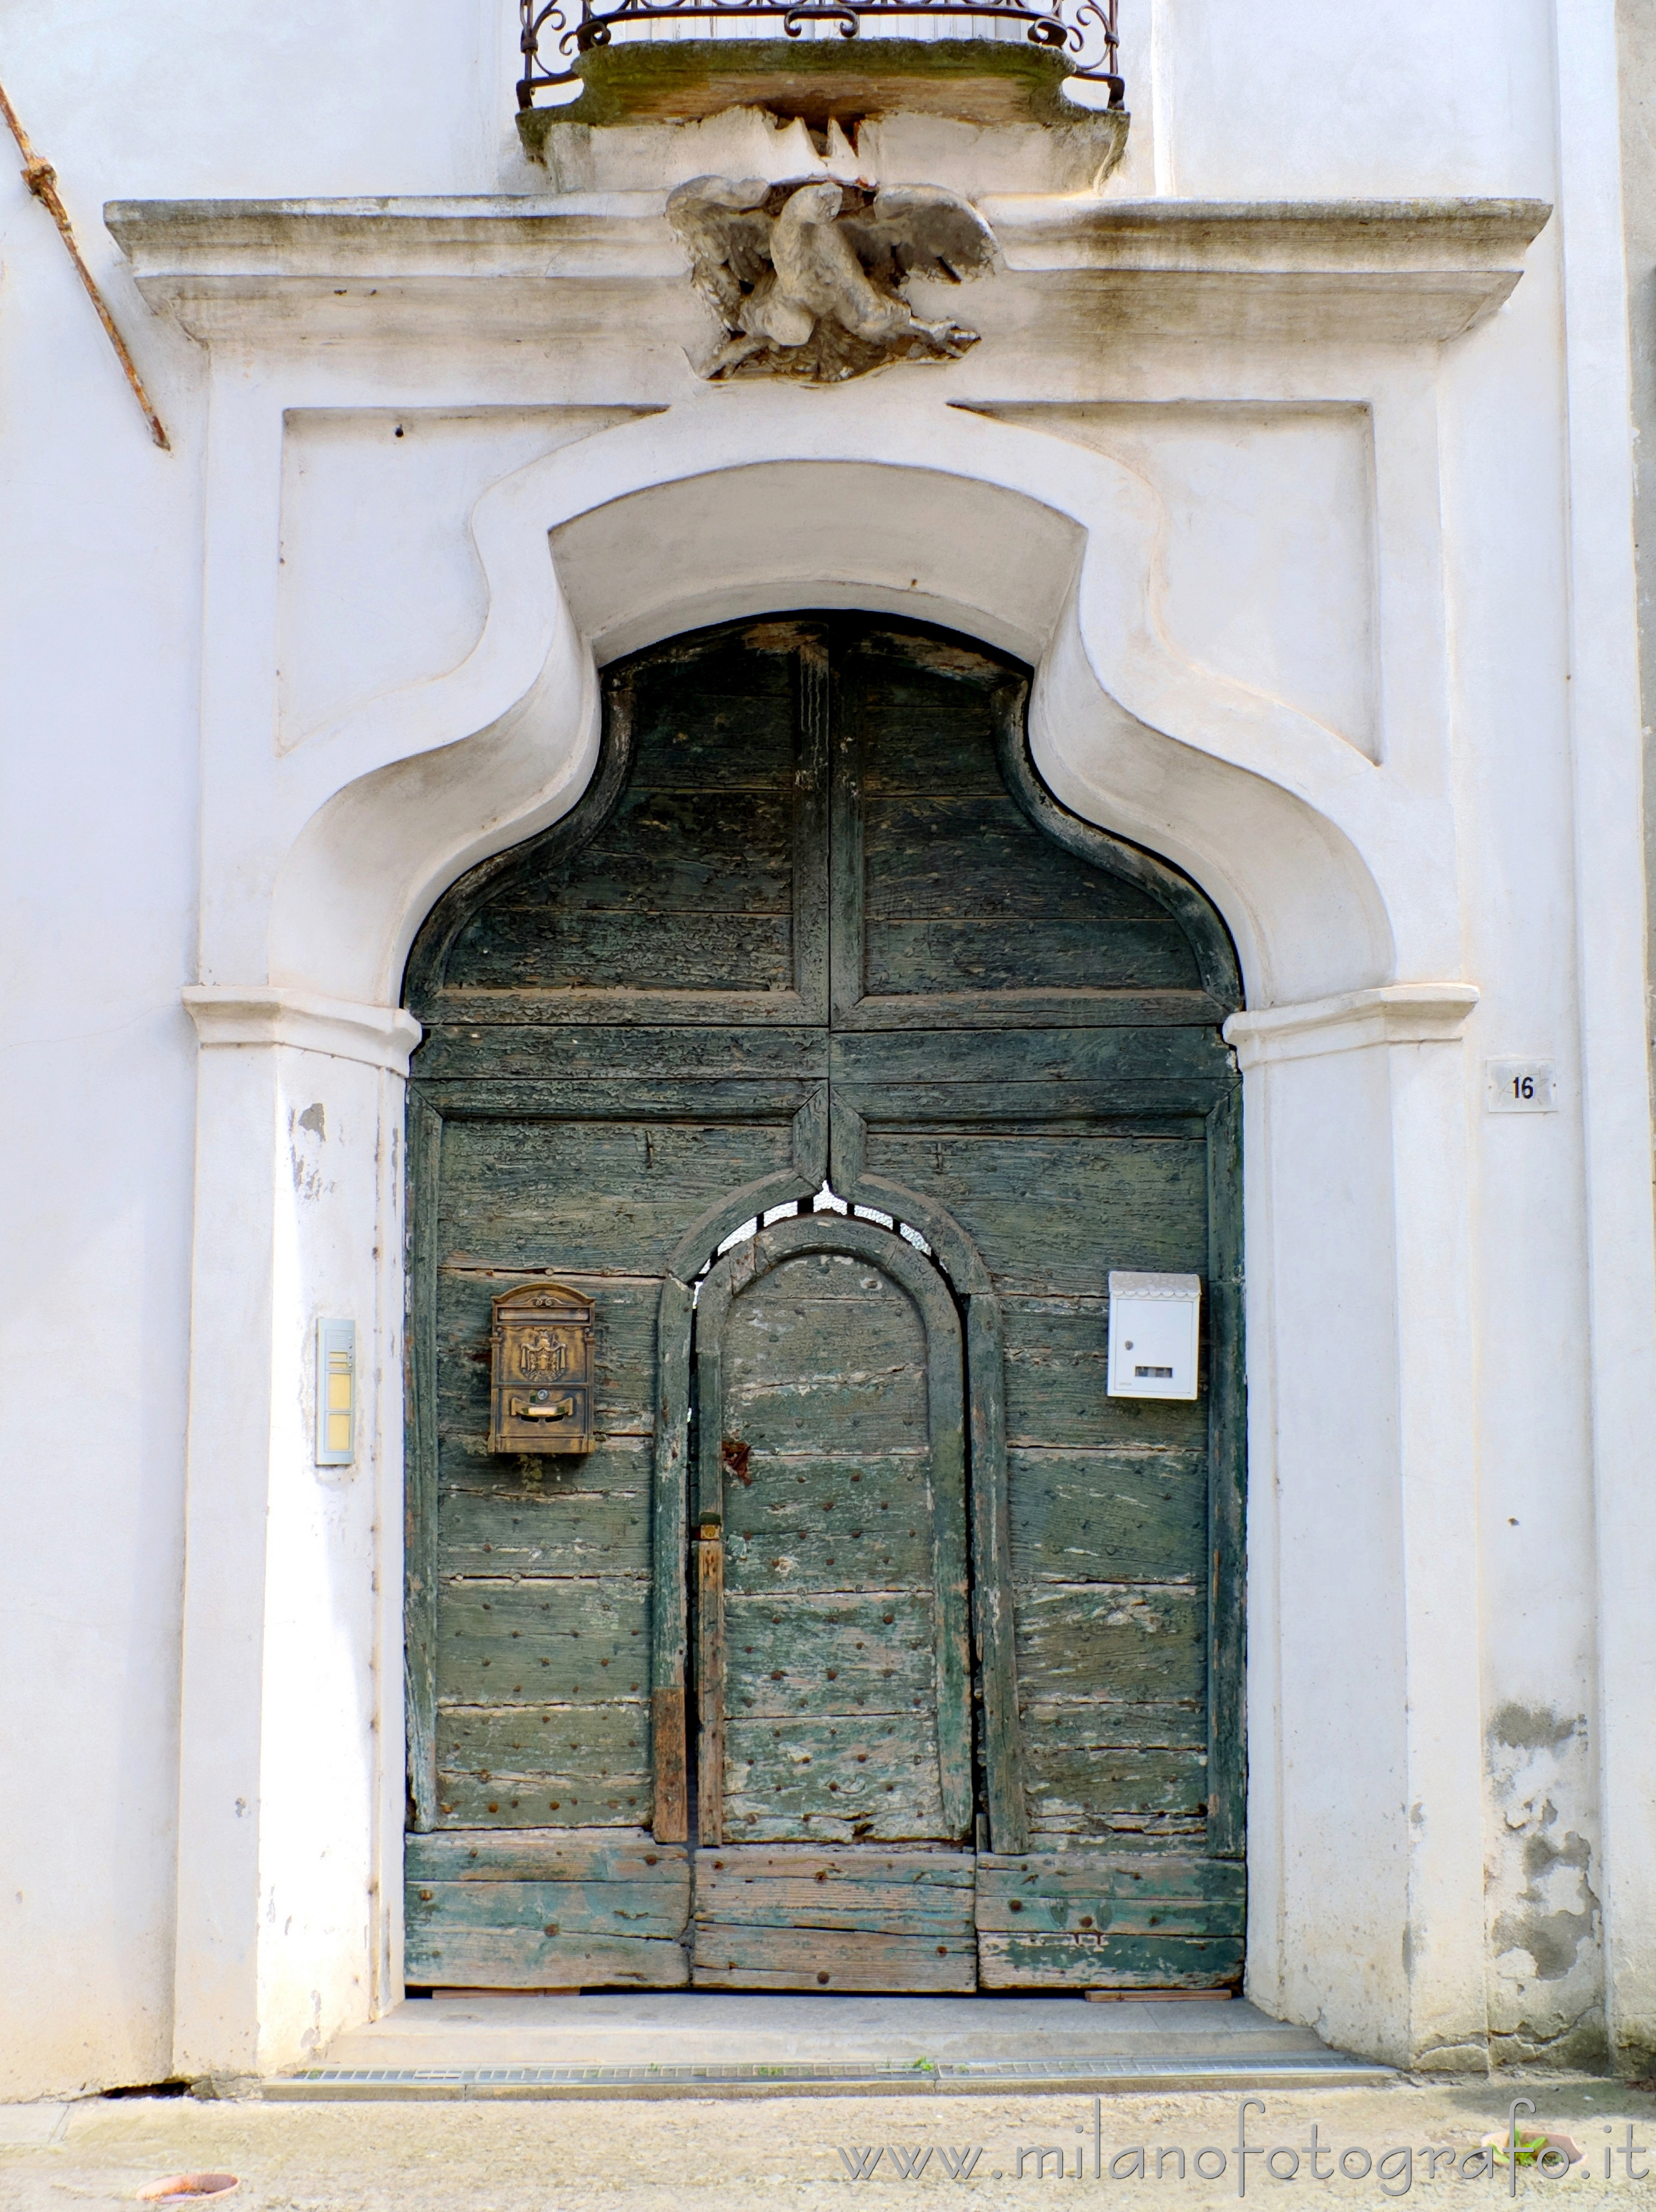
541 1373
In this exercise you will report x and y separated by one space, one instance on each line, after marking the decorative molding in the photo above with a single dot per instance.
1072 231
694 516
262 1014
1389 270
1390 1013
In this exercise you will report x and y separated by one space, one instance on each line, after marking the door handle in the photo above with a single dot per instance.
521 1409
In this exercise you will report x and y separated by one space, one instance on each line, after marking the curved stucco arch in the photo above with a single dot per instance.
1003 533
1336 874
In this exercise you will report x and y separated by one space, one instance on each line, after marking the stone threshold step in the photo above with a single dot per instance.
1296 2071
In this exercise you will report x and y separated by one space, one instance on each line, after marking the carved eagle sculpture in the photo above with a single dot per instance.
807 278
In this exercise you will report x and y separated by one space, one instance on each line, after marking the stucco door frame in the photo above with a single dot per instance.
1338 879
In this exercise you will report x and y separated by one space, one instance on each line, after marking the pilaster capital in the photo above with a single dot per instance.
266 1014
1389 1014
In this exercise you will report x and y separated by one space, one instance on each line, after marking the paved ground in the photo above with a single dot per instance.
730 2156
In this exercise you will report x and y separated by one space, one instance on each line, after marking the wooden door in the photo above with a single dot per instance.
1026 1062
834 1740
676 1712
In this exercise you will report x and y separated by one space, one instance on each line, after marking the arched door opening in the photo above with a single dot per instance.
874 1645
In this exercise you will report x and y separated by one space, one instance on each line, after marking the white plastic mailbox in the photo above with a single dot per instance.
1154 1329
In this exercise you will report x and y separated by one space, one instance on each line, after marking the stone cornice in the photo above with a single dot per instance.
266 270
261 1014
1349 236
1390 1013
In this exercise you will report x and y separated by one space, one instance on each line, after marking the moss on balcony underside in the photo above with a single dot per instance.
674 81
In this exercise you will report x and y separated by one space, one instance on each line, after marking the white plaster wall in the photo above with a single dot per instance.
100 539
100 553
100 689
181 101
1637 56
1320 1127
380 583
1505 474
1294 99
1266 545
292 1646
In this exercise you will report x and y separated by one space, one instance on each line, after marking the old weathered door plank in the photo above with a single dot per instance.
540 1909
1027 1050
1226 1441
420 1494
817 881
625 1039
863 1918
830 1387
710 1681
669 1623
1104 1920
1005 1803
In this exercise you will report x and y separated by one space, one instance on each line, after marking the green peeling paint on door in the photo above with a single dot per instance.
873 1646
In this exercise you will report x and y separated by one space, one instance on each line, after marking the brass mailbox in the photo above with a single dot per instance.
541 1378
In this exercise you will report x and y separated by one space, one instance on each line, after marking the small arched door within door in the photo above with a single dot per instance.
832 1665
873 1644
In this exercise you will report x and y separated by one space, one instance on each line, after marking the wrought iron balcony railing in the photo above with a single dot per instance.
555 34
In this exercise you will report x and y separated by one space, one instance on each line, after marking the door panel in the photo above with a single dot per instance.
535 1909
1107 1499
610 1195
830 1483
633 1059
950 906
1117 1920
691 885
1053 1210
533 1572
861 1919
